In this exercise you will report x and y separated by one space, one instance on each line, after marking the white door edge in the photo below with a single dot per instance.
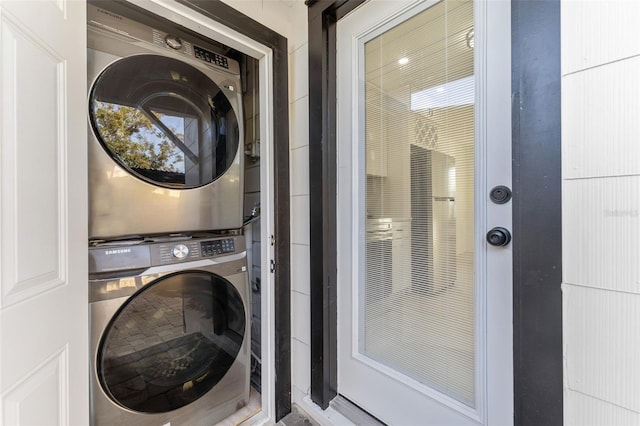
43 209
494 57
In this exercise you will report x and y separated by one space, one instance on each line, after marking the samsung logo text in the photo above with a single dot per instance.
118 251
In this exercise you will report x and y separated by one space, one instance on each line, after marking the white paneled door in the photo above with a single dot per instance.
43 213
424 170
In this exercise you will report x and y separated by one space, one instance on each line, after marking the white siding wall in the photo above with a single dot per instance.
299 137
601 211
289 18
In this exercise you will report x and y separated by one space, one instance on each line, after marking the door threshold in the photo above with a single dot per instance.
353 412
328 417
341 412
297 417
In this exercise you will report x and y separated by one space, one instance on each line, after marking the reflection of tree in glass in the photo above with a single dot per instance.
134 139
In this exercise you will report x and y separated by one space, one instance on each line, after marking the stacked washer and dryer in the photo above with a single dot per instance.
168 288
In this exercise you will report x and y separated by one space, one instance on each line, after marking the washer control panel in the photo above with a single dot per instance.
172 252
169 252
216 247
141 254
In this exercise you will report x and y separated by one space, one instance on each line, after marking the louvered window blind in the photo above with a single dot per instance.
416 311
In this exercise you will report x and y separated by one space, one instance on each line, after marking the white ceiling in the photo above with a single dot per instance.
435 44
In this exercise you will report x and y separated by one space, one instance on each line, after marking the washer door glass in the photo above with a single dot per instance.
164 121
171 342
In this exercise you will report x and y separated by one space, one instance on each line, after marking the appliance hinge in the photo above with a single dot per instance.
272 238
272 268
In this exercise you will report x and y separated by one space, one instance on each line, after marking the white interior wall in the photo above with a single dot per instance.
289 18
601 211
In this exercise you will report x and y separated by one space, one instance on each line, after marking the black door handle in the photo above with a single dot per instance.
499 236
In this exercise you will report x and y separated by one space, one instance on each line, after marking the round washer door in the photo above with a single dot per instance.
164 121
171 342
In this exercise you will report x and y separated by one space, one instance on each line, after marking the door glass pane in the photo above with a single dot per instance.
417 301
171 342
164 121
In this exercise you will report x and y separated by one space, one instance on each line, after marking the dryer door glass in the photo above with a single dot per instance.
172 342
164 121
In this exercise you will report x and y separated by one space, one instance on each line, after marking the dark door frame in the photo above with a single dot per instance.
228 16
537 243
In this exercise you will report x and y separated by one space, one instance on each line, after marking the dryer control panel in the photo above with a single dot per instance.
211 57
105 19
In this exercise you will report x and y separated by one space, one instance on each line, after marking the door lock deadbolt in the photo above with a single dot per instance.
500 194
499 236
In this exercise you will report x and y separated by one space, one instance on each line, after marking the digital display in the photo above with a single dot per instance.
212 248
210 57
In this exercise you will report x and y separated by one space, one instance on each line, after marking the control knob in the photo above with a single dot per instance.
180 251
173 41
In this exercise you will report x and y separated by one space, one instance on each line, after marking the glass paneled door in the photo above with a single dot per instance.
424 296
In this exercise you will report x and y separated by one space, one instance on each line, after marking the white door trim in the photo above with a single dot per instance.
208 27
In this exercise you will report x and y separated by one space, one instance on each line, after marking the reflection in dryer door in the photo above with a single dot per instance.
164 121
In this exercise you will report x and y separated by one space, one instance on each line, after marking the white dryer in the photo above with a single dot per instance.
166 131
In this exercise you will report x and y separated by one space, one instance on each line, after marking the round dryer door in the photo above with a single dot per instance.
171 342
164 121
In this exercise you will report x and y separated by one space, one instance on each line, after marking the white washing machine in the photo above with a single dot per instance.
166 131
170 331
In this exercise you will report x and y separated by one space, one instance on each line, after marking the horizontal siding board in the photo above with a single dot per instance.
602 345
